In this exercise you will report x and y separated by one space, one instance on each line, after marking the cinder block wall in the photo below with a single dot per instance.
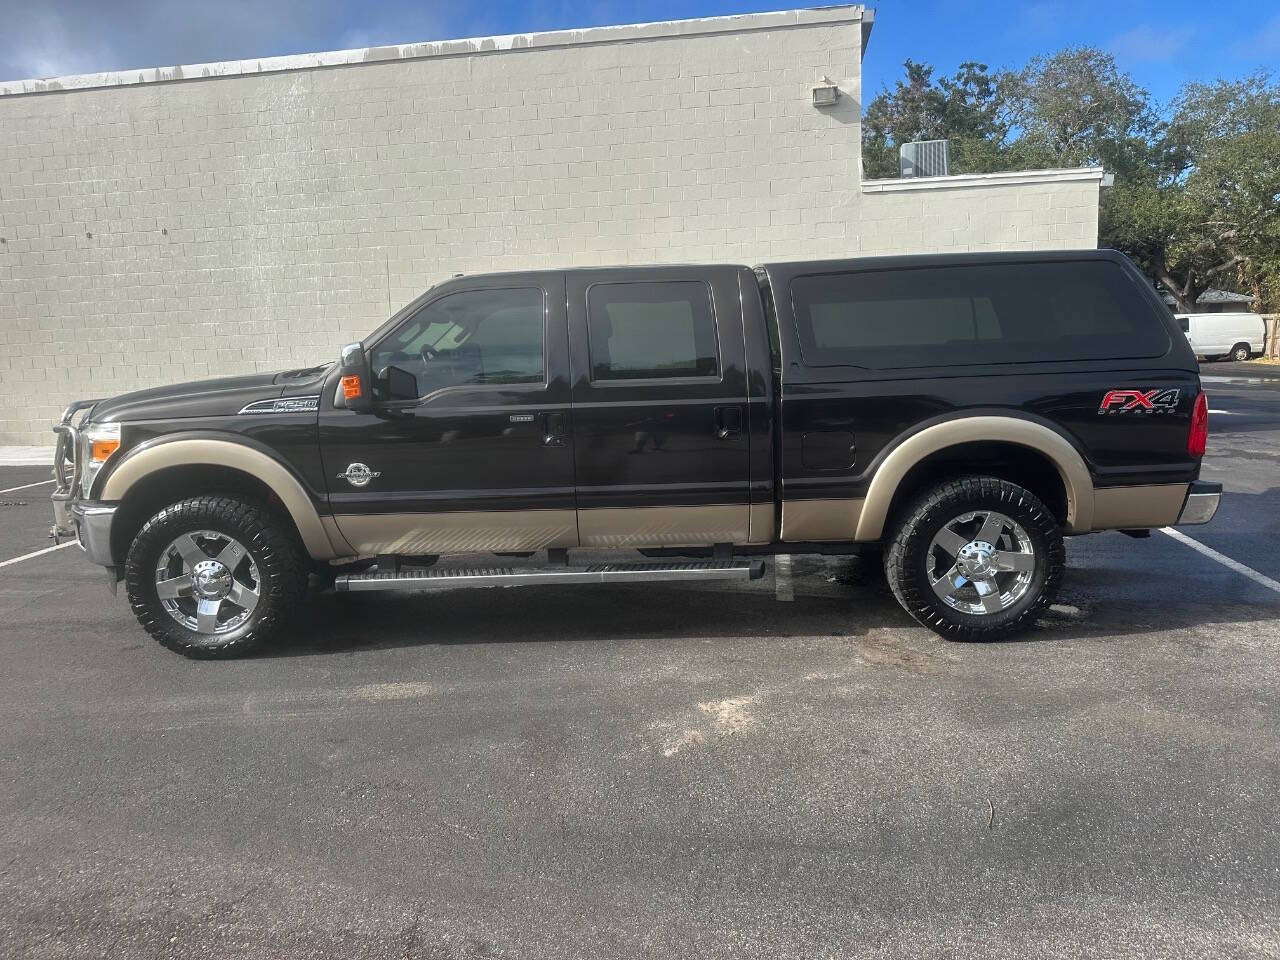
182 223
1036 210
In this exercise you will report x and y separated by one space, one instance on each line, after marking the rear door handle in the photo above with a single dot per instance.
728 423
555 432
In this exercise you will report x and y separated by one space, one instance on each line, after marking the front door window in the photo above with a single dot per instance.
472 338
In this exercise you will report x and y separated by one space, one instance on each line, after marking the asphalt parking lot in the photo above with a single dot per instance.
669 771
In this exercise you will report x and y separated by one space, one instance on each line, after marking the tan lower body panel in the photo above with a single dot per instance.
762 523
460 532
1150 505
664 526
340 545
814 520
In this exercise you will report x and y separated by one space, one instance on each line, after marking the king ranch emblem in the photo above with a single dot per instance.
358 475
1160 400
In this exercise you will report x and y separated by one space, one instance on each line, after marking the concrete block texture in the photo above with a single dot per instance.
193 222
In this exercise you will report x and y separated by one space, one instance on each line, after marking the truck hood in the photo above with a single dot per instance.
221 397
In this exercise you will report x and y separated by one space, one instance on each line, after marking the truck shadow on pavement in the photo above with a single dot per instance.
337 623
848 600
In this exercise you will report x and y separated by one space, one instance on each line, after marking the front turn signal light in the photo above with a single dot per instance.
101 441
350 387
99 450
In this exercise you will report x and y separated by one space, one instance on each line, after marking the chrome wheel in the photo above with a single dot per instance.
207 582
980 563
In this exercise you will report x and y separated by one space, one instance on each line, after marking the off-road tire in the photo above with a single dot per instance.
1240 353
272 545
906 557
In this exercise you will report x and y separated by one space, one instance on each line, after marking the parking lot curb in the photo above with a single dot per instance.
26 456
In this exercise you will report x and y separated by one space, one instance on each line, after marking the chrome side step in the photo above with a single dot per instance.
452 578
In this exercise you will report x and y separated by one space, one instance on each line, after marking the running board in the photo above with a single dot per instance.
433 578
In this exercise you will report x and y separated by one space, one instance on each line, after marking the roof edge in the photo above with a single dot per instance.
623 33
1002 178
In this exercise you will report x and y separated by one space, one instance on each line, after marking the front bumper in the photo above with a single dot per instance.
90 523
93 530
1202 503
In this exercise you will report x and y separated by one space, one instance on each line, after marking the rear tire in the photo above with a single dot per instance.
977 558
214 577
1240 353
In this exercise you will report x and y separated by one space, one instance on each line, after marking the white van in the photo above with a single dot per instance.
1224 336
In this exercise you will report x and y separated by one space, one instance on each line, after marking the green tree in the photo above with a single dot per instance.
963 108
1196 195
1077 108
1208 212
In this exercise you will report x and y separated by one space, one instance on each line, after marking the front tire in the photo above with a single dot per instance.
214 577
977 558
1241 352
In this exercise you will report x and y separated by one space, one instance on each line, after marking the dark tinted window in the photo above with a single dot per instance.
640 331
989 313
469 338
1184 324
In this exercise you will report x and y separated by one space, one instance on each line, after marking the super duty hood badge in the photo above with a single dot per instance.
358 474
283 405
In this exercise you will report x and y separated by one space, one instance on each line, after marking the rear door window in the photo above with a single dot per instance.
984 313
652 331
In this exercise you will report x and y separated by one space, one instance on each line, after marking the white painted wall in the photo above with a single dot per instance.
170 224
1035 210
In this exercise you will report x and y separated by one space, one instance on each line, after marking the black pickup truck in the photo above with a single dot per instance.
960 413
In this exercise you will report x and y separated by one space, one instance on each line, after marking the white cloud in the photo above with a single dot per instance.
1262 43
1041 19
43 38
1151 43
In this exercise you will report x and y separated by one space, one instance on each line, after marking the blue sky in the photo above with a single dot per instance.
1163 44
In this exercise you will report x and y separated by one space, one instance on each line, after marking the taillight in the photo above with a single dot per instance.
1199 434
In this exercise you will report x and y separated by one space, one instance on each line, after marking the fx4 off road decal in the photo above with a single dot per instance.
1140 401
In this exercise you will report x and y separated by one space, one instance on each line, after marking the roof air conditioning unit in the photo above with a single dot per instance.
925 158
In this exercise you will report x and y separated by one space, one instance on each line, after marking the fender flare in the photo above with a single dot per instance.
1071 467
237 456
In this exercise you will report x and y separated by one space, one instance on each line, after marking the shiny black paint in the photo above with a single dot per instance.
805 432
211 409
220 397
289 439
881 408
460 448
658 442
762 391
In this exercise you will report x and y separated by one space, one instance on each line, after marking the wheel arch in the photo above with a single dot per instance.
172 470
903 467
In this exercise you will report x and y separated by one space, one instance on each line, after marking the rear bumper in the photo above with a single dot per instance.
1202 503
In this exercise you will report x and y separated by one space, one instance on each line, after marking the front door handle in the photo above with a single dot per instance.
555 429
728 423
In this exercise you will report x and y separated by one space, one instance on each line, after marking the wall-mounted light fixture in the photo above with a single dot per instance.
826 93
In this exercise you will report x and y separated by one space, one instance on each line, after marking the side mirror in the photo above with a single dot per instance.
356 386
401 384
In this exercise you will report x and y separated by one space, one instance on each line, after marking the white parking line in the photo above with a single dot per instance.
38 553
1224 413
1223 559
25 486
782 588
